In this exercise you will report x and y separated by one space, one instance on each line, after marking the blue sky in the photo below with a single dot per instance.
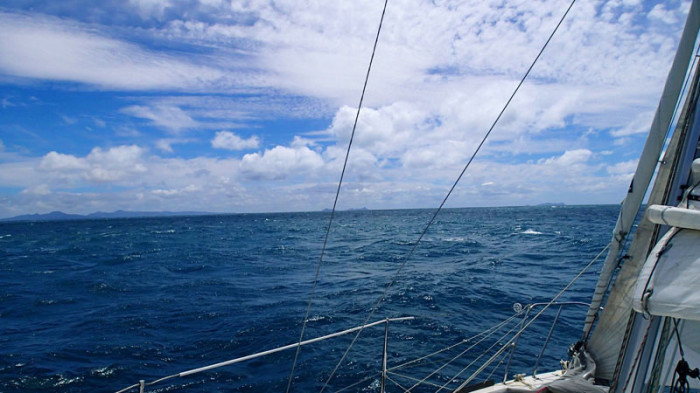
247 106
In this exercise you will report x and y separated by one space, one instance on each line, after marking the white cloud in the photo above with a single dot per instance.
570 158
99 122
442 72
41 189
115 164
6 103
299 141
281 162
230 141
640 124
660 13
55 49
166 144
623 170
151 8
54 161
171 118
175 192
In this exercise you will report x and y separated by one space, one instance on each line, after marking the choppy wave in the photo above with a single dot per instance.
98 305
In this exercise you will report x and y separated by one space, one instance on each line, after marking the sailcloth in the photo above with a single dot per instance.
605 341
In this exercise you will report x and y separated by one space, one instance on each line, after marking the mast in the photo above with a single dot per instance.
606 340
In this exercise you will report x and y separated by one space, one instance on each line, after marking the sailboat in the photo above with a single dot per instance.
642 329
645 337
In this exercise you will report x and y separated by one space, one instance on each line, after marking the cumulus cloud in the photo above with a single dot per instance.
54 161
230 141
281 162
175 192
40 189
570 158
114 164
571 162
660 13
442 72
623 170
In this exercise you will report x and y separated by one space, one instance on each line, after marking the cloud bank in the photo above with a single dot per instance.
230 106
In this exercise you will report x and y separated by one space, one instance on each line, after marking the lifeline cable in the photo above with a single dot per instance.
454 185
465 351
551 302
486 332
335 201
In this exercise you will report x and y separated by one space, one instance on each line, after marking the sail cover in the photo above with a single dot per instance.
668 283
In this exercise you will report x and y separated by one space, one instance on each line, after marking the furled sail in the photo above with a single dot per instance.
667 285
605 342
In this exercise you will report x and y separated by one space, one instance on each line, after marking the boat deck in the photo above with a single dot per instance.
519 384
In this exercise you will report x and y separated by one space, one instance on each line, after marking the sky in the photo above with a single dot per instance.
248 106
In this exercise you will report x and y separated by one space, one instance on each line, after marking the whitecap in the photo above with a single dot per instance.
530 232
62 380
104 371
165 231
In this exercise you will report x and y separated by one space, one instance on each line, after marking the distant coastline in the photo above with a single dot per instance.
347 210
61 216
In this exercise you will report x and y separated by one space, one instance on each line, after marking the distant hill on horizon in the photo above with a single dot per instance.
58 215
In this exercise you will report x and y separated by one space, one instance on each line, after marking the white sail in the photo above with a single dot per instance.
667 285
605 342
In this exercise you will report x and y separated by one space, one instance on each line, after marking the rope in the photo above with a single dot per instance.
454 185
461 354
678 337
527 325
492 328
335 202
413 379
496 368
395 383
499 352
358 383
636 358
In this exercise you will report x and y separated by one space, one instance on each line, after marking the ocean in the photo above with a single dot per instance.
97 305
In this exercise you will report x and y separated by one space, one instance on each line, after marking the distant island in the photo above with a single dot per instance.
347 210
57 215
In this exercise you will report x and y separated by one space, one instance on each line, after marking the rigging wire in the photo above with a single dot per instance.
633 368
373 376
486 332
488 362
495 368
413 379
551 302
442 204
335 202
395 383
464 352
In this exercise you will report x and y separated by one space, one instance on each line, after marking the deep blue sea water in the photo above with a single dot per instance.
96 305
